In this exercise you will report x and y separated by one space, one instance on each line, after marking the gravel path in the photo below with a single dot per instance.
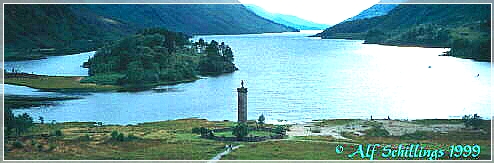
218 156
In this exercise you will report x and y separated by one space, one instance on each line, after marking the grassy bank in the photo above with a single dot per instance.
174 140
20 101
58 84
79 83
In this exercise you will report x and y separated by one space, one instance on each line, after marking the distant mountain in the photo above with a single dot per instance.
288 20
35 30
465 28
375 10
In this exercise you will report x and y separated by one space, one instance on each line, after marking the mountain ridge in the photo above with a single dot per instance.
467 33
34 31
288 20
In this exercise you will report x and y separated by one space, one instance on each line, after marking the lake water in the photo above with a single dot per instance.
291 77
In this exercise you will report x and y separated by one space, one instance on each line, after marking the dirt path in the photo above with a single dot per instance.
218 156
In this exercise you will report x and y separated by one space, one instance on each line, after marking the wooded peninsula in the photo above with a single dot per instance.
158 56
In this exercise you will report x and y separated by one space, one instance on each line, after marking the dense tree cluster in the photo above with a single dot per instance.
472 121
218 59
157 55
16 124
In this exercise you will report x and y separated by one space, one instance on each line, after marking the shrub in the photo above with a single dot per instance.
18 144
120 137
33 142
204 132
40 147
280 129
52 147
132 137
85 137
196 130
114 134
241 130
58 133
473 122
377 131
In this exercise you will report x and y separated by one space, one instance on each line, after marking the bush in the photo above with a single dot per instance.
114 134
377 131
473 122
132 137
241 130
40 147
58 133
18 144
204 132
196 130
33 143
120 137
85 137
280 129
52 147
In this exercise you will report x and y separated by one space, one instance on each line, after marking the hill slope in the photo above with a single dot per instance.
35 30
288 20
373 11
432 25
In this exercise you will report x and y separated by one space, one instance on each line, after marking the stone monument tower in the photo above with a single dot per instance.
242 103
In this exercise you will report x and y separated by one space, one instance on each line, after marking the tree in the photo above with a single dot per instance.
22 123
280 129
135 72
202 42
41 119
261 119
241 130
205 132
473 122
228 54
9 121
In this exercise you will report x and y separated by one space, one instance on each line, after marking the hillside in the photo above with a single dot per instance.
373 11
433 25
288 20
33 31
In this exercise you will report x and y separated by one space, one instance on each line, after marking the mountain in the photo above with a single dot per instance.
288 20
467 33
33 31
373 11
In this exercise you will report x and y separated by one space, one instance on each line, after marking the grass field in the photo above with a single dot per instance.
174 140
159 140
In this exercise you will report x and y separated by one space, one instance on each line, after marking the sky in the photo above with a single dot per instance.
320 11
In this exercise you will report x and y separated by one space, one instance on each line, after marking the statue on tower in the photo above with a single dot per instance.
242 103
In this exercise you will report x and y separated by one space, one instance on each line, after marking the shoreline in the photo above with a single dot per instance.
48 83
